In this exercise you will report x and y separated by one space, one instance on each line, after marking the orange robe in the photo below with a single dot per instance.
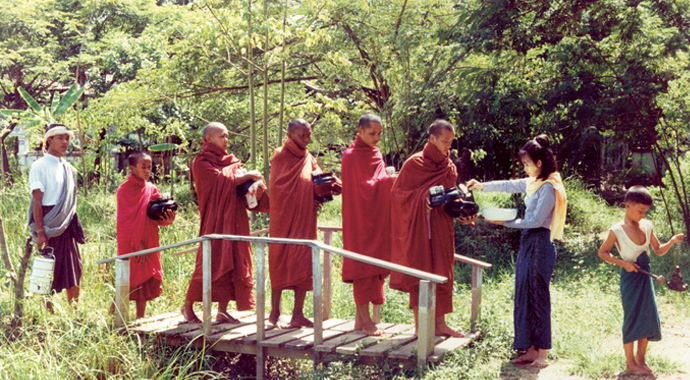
222 211
366 219
135 232
293 215
423 239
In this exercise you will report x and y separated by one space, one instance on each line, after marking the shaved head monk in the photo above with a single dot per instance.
293 215
423 237
222 211
366 219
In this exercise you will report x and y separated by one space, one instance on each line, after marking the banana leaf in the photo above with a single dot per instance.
70 97
30 100
56 101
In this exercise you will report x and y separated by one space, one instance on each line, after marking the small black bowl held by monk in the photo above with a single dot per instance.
457 201
158 207
325 186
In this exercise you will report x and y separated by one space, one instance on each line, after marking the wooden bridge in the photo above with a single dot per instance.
328 339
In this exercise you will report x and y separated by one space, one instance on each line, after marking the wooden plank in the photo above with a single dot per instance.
206 286
473 262
308 341
153 319
353 347
251 339
451 344
160 325
330 345
395 342
121 293
218 329
409 350
238 333
427 321
281 340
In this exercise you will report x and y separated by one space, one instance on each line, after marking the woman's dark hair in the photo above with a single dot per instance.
538 149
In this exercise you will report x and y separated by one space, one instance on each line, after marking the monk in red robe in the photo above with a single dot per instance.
222 211
293 215
136 231
366 219
423 237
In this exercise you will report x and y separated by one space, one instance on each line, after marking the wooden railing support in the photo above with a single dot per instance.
426 315
207 277
260 310
121 292
327 264
318 301
477 273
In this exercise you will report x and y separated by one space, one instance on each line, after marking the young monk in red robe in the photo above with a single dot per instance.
423 237
136 231
222 211
366 219
293 215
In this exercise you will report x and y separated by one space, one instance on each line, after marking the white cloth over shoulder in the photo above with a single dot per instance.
628 250
48 175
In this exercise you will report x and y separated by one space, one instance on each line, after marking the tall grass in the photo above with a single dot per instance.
82 344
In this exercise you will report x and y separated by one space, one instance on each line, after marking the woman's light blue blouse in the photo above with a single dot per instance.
538 207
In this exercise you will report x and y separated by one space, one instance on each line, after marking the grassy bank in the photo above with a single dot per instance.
587 315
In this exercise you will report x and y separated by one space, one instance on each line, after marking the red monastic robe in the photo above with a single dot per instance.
135 232
366 218
423 239
222 211
293 215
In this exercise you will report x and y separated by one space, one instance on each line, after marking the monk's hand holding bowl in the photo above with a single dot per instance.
168 218
468 220
250 175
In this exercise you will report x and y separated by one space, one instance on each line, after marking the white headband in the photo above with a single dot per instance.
60 130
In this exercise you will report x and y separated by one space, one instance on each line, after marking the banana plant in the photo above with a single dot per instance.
36 115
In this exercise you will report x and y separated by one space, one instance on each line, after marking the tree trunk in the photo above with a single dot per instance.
19 286
6 253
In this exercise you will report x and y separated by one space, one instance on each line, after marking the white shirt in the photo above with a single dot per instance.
628 250
48 175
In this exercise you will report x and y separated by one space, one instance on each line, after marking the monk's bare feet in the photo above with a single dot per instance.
226 318
300 321
278 321
528 357
444 329
189 316
370 329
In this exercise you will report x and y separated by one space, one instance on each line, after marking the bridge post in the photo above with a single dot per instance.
260 310
327 265
121 292
476 312
206 289
426 333
318 302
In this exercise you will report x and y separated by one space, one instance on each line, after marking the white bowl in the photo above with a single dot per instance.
499 213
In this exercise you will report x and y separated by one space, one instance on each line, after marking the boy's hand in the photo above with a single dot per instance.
141 259
678 238
630 266
168 217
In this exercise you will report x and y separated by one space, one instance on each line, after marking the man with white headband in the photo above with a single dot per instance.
52 216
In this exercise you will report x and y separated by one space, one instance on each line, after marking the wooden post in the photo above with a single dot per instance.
476 296
318 302
121 292
426 322
260 309
206 289
327 264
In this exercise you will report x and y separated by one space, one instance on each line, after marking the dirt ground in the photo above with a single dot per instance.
674 345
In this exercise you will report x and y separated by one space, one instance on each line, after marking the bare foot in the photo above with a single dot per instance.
371 330
635 370
446 330
645 367
226 318
278 322
540 362
300 321
527 357
189 316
